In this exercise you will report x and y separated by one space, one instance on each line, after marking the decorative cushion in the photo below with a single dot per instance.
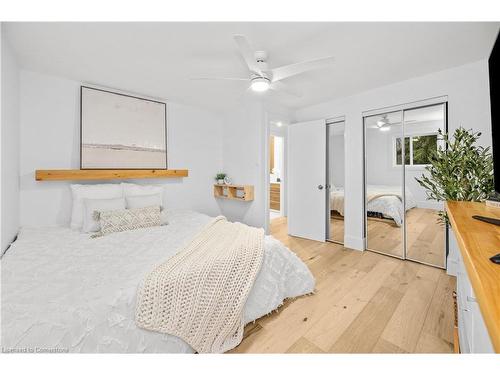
122 220
136 190
99 191
92 205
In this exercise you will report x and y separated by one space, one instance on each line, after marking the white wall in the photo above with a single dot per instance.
9 144
245 156
50 139
468 105
244 159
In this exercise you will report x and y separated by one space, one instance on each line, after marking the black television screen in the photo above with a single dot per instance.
494 70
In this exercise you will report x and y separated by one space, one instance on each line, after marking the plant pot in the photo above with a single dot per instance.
220 181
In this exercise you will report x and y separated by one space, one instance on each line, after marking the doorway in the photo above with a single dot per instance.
276 176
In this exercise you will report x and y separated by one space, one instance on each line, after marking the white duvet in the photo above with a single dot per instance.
388 201
64 290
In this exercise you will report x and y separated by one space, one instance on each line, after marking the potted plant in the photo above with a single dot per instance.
459 171
219 177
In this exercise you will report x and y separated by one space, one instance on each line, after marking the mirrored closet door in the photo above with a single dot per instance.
335 180
425 236
403 222
384 198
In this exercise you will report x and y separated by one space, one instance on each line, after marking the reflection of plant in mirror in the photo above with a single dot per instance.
423 147
399 151
460 171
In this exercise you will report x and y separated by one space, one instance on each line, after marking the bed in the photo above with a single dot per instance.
383 201
64 291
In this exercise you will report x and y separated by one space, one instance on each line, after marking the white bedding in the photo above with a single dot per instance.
390 205
63 290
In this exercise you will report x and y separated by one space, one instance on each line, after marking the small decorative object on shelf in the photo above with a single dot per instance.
219 177
235 192
227 180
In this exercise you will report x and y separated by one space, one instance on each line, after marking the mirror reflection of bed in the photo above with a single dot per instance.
386 204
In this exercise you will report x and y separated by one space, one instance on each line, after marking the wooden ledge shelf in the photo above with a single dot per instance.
106 174
242 193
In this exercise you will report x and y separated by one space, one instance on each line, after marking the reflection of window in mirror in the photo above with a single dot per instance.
418 149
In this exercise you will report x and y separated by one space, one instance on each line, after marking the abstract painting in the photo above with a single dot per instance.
121 131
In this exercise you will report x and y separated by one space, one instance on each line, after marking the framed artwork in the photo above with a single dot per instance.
119 131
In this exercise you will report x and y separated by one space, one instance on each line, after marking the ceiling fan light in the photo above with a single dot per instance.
385 128
260 84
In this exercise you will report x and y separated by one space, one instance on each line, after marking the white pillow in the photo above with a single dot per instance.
131 190
140 201
100 191
135 190
90 224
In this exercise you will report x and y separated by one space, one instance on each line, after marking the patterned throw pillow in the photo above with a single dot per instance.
122 220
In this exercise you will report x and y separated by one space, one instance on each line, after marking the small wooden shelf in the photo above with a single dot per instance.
106 174
235 192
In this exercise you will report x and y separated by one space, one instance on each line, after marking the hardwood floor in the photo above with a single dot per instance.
364 302
425 238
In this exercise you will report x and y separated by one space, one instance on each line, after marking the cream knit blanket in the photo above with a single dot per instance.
199 294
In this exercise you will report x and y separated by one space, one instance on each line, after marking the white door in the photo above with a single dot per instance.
307 180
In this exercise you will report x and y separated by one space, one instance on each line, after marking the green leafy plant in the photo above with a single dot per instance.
459 171
220 176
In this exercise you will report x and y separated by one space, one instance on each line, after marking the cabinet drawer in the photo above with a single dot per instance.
464 336
481 342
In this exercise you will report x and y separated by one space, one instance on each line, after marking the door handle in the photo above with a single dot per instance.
320 187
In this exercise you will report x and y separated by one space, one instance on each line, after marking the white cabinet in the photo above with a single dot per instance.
472 332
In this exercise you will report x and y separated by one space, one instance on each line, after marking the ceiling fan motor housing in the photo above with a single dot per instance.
260 56
261 59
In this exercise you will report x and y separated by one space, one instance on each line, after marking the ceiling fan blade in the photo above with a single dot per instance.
286 71
218 79
281 87
248 54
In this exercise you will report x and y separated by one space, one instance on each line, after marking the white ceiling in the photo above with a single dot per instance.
157 59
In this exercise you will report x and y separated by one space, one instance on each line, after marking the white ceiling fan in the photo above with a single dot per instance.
384 124
261 77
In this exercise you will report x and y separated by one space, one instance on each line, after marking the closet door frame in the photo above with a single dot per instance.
331 122
401 108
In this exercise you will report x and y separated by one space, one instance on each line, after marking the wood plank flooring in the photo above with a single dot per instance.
425 237
364 302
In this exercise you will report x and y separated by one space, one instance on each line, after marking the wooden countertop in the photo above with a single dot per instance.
478 241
